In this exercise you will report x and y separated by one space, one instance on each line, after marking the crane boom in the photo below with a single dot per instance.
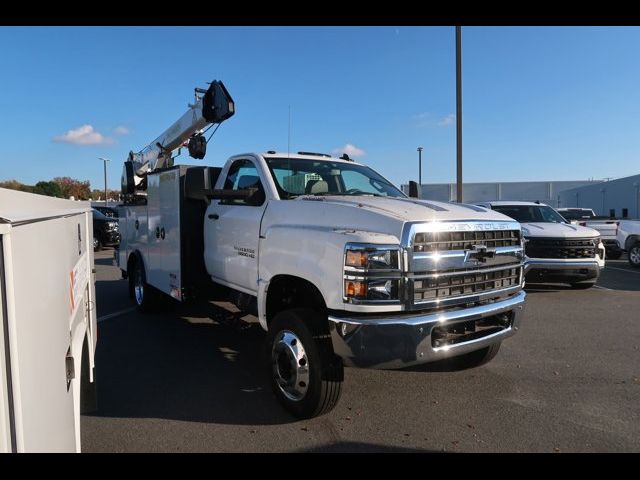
215 105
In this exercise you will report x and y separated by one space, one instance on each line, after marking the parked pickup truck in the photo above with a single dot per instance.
340 267
628 238
556 251
608 227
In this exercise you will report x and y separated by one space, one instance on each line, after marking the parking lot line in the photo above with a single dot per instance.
116 314
602 288
624 270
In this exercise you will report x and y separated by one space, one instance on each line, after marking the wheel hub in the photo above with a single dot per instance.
634 255
138 288
290 365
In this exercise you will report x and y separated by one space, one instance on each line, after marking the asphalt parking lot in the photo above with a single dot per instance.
180 381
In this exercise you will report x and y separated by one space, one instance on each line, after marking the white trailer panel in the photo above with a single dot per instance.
48 315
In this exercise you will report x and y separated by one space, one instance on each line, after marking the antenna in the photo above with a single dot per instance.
289 134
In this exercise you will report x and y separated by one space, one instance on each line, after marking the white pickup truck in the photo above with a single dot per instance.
628 238
556 251
339 265
608 227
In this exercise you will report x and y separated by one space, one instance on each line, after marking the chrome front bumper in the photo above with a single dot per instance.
389 341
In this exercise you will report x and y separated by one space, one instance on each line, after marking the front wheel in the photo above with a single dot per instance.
614 255
305 375
97 245
582 285
634 255
477 358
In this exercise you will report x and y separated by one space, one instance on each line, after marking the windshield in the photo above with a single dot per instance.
530 213
98 215
577 214
297 176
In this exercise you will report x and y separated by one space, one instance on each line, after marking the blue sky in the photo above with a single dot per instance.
540 103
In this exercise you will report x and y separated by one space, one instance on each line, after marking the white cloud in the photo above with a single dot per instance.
428 119
447 121
84 135
350 150
121 130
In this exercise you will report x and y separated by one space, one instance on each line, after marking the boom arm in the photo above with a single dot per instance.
215 106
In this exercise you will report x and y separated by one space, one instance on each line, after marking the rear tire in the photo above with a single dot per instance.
144 295
304 373
477 358
634 255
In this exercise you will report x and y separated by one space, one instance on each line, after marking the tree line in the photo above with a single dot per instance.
62 187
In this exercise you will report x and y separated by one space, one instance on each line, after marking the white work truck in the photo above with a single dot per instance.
47 322
340 267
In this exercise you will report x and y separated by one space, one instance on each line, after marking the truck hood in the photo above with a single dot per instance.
557 230
410 209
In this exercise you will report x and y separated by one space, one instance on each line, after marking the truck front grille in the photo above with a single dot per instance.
560 248
451 284
440 241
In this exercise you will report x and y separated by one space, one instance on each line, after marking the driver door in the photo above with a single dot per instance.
232 230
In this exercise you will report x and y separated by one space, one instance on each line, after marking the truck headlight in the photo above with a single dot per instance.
372 273
371 258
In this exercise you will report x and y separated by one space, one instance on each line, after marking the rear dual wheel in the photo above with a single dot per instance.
144 295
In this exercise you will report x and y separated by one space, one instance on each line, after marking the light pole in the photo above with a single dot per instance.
459 113
105 160
420 166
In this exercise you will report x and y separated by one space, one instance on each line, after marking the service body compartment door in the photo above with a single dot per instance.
7 427
163 253
48 274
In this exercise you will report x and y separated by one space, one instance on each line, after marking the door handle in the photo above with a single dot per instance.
213 216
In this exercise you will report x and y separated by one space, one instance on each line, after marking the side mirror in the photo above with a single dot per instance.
413 189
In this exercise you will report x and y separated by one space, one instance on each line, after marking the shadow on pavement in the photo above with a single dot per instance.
176 366
360 447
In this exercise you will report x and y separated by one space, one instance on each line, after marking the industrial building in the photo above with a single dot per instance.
545 192
615 198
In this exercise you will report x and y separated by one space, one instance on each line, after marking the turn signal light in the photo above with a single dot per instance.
355 289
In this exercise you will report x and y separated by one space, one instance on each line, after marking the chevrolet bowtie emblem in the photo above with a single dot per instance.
479 253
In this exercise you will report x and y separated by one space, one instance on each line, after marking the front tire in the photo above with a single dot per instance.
477 358
614 255
634 255
97 245
582 285
304 373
